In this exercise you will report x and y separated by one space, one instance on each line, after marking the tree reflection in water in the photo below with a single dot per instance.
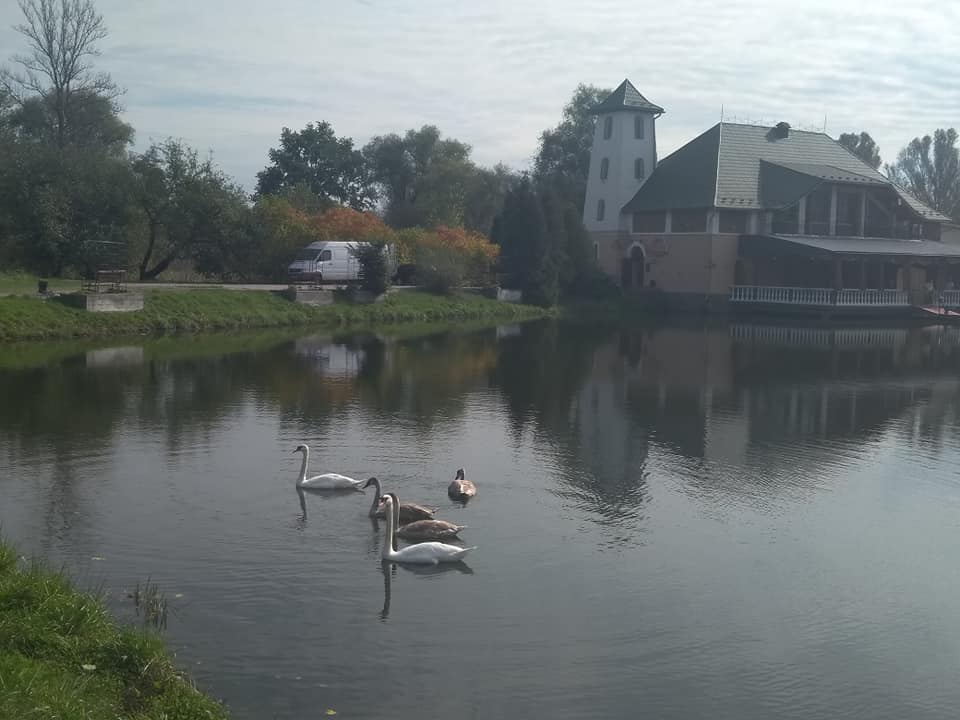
603 398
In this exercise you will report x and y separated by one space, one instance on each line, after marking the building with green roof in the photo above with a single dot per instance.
754 215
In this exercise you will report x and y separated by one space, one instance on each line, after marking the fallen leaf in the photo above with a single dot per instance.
89 668
331 711
96 557
178 595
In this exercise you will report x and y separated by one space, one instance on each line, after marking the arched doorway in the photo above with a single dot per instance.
632 267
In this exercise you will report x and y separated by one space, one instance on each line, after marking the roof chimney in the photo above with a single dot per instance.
780 130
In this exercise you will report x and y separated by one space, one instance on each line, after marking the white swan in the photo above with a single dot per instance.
428 553
327 481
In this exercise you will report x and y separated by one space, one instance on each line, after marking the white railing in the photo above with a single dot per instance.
871 298
818 296
781 295
950 298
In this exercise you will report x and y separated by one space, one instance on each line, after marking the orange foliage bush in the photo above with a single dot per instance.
470 243
343 223
446 257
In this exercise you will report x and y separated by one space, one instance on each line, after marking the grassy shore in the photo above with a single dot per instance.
30 318
20 283
62 657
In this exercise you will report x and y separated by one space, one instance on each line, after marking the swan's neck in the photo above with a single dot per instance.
376 499
303 468
388 552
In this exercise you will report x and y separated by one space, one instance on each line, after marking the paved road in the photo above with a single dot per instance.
146 286
205 286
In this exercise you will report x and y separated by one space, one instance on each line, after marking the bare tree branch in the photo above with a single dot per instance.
62 37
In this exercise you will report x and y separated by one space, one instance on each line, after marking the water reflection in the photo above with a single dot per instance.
696 505
726 397
604 398
390 571
302 520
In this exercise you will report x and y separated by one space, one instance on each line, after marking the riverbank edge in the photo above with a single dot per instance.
61 655
24 318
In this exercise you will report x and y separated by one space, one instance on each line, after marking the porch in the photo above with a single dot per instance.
826 273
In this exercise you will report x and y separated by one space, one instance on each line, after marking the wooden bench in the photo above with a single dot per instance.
107 281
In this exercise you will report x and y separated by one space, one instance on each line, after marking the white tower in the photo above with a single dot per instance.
622 157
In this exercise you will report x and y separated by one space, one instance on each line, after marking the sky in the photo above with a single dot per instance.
226 76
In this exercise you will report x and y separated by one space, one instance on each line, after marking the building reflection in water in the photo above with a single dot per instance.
755 410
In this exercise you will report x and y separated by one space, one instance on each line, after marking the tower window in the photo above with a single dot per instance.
638 127
604 168
639 169
608 127
601 209
596 251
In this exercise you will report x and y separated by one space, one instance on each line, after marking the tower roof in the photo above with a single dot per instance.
626 97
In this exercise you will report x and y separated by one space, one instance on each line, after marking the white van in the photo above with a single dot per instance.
326 261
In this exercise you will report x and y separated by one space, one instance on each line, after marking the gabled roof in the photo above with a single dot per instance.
733 154
626 97
686 178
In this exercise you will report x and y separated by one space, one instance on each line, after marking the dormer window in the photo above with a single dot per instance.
638 127
608 127
604 168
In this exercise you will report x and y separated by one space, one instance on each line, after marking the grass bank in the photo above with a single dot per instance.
21 283
174 311
62 657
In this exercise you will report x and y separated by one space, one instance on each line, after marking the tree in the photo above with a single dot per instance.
192 210
276 230
64 179
485 191
316 158
374 266
62 36
342 223
863 146
63 208
301 197
564 152
527 260
929 168
422 177
94 123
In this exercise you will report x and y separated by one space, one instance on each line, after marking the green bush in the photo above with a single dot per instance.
374 266
440 269
543 284
591 283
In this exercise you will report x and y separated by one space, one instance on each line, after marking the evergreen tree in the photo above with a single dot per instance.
578 258
526 250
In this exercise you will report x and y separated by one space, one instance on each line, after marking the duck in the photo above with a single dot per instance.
461 489
327 481
409 512
428 553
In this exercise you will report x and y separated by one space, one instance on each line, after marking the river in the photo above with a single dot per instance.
734 521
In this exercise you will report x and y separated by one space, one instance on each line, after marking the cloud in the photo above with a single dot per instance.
228 77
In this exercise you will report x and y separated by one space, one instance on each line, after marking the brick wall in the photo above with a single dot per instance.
691 263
